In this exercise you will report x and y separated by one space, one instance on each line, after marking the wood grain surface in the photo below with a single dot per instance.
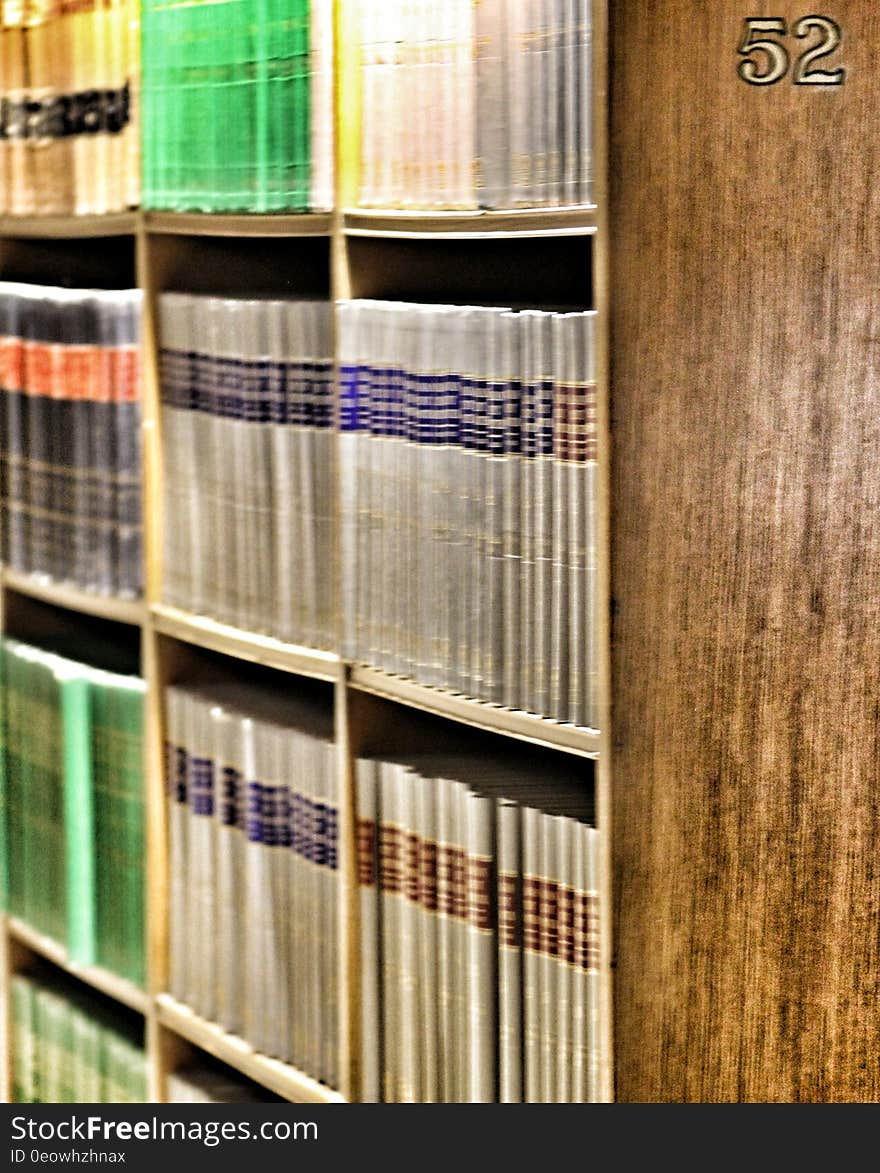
745 261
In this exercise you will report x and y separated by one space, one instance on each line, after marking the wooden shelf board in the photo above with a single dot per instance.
278 1077
120 989
210 224
130 611
69 227
243 645
424 225
492 718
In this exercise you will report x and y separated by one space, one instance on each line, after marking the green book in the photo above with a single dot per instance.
79 825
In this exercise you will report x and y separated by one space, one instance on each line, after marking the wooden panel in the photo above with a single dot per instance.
73 262
520 270
746 561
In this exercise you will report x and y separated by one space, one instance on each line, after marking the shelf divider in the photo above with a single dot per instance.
278 1077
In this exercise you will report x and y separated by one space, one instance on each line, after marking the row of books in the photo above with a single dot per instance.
238 106
466 105
70 1048
73 805
68 102
70 443
459 105
249 463
479 933
468 500
254 867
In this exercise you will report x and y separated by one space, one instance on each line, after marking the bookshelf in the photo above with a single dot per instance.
540 257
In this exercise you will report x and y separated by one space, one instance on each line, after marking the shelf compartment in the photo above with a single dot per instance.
451 225
120 989
69 227
244 645
278 1077
210 224
130 611
478 714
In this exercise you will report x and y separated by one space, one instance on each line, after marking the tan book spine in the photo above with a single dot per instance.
410 1023
482 950
510 956
370 925
532 853
445 912
427 973
564 830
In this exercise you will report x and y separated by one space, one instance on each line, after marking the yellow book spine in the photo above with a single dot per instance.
348 98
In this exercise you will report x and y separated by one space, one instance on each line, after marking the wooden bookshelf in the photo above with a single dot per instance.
534 256
278 1077
242 645
70 227
196 224
479 714
61 595
456 225
117 988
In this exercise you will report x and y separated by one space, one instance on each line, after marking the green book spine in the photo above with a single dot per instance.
101 798
22 1041
130 707
78 814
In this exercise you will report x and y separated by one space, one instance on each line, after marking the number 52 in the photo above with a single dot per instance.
759 37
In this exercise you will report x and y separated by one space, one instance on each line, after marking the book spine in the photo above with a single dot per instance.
482 950
78 817
368 817
510 954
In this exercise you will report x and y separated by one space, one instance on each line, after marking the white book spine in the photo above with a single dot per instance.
368 817
482 950
410 1023
594 976
428 940
532 863
585 96
540 701
322 130
510 955
445 960
178 868
579 998
564 828
253 886
390 855
548 913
